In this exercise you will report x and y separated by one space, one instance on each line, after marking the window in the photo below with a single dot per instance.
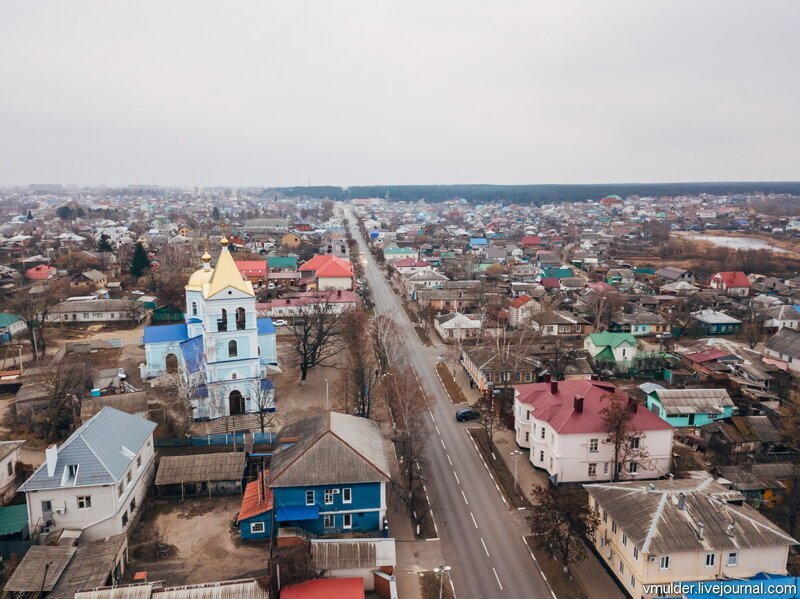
663 562
125 519
614 526
72 470
129 477
635 553
10 467
85 502
733 559
605 468
347 521
240 319
633 467
527 437
710 559
635 442
605 516
633 582
257 527
593 445
528 415
328 521
621 567
233 349
542 433
310 498
328 496
132 505
120 489
541 456
347 495
47 506
222 321
139 462
551 463
624 540
592 469
194 308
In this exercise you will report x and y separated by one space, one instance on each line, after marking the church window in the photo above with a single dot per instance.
240 319
222 323
233 349
194 308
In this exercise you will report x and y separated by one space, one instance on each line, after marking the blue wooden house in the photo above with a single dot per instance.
690 407
329 476
255 513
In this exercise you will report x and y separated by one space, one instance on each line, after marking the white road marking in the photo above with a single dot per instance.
498 579
464 495
448 458
471 515
438 432
432 418
456 475
443 445
484 547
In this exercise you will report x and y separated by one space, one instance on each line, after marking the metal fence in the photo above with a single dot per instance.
218 439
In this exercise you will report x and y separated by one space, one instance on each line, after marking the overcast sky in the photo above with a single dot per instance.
414 91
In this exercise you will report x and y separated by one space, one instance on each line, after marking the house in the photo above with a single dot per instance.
712 322
690 407
612 351
223 348
82 310
9 458
673 274
761 483
291 240
669 531
741 437
485 365
426 279
11 325
201 474
456 327
300 304
88 281
520 310
785 346
775 318
255 513
372 559
639 323
391 254
282 263
620 277
40 272
407 266
94 481
254 271
333 477
329 273
562 324
561 423
734 283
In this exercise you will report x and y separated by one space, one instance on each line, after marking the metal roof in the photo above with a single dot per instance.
90 566
678 401
229 589
102 448
30 574
345 554
209 467
13 519
165 333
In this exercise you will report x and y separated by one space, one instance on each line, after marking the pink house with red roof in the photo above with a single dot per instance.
561 424
40 272
734 283
330 273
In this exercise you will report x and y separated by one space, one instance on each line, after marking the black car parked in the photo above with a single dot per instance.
464 414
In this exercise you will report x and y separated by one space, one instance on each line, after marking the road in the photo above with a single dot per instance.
481 539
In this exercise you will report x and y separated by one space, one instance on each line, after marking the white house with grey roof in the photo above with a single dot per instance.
96 480
666 531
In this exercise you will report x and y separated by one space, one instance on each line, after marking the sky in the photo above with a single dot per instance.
346 92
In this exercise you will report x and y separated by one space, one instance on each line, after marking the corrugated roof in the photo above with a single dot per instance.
97 449
9 447
13 519
346 554
89 567
209 467
165 333
256 500
229 589
678 401
30 575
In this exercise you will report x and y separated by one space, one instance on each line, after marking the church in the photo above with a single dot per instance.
223 352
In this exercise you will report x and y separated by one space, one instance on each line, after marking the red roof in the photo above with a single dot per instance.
410 262
309 297
521 301
707 355
551 283
600 286
558 409
255 500
326 588
531 240
328 266
731 278
252 267
40 272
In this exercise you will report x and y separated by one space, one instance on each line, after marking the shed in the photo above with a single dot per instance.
212 473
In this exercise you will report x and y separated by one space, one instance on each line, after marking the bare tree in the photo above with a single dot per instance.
316 334
601 305
489 408
65 382
624 439
386 342
34 306
360 365
133 311
263 396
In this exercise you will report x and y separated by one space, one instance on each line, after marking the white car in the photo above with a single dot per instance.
121 374
279 323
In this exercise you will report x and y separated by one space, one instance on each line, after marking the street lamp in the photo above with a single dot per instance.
516 455
441 571
327 399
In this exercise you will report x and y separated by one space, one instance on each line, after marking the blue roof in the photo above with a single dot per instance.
478 241
165 333
101 448
265 326
294 513
267 384
192 351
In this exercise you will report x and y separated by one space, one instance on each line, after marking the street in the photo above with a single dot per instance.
480 538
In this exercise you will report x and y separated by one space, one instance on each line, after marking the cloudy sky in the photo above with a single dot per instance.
349 92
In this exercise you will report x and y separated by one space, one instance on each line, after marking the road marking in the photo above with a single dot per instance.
464 495
443 445
448 458
498 579
484 547
432 418
471 515
456 475
485 465
535 561
438 432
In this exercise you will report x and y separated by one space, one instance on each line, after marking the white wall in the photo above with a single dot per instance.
334 283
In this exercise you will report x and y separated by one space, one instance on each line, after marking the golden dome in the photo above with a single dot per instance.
206 256
199 278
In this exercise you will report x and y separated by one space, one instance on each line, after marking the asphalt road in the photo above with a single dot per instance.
481 539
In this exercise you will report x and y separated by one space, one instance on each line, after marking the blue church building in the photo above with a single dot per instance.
328 478
223 352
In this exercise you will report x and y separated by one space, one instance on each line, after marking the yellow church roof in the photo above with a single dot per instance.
226 274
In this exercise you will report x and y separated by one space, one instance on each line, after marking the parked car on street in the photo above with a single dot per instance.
464 414
279 323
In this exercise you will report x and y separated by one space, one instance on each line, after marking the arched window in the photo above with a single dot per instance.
240 319
194 308
222 323
233 349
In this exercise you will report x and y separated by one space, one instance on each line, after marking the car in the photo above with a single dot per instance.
280 323
121 374
464 414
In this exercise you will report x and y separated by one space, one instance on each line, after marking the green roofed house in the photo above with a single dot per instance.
612 351
14 522
557 273
282 263
11 325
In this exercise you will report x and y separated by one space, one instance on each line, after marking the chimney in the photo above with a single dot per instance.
731 530
578 404
651 487
553 387
595 377
633 405
546 378
339 293
288 301
681 501
51 458
701 531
